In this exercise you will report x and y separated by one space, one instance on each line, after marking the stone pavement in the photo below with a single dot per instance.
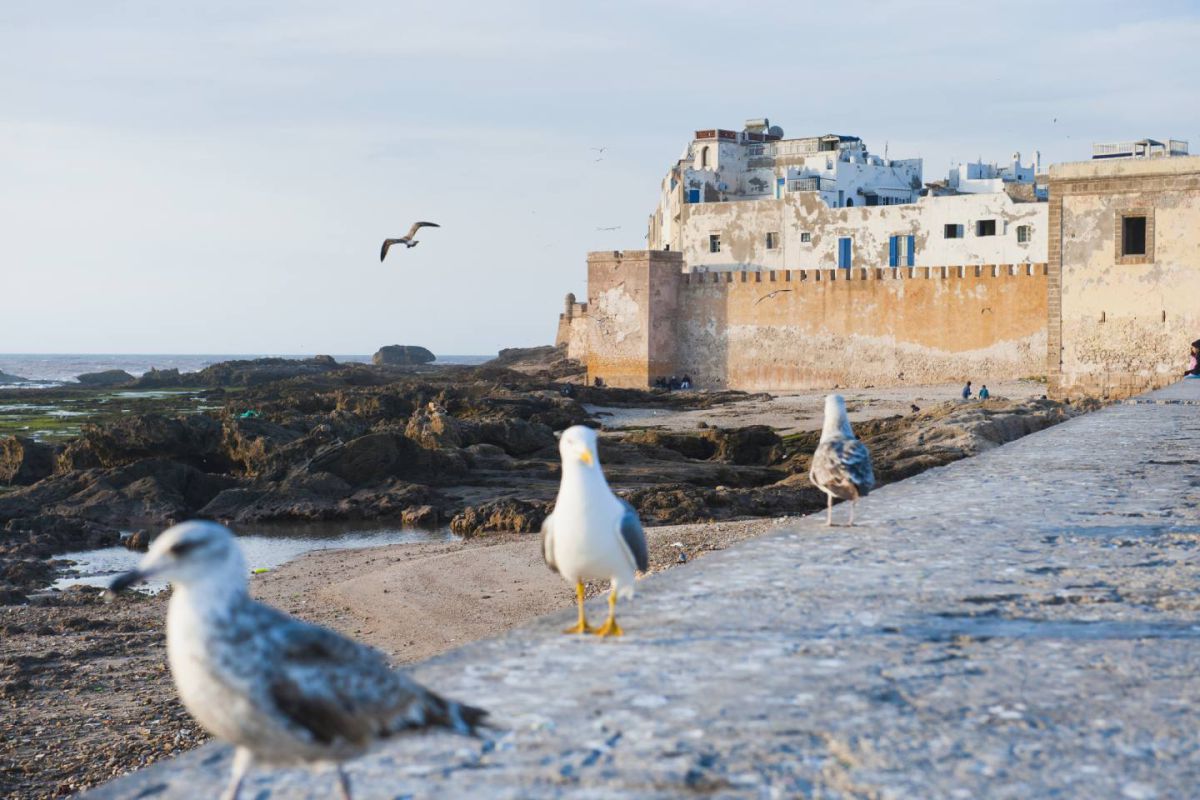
1020 624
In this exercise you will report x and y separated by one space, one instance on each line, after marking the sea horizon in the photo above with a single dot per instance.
58 368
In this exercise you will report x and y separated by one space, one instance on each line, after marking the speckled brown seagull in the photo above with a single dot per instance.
280 690
841 465
410 240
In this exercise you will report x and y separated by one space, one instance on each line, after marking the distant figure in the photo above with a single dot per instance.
966 393
841 465
409 240
280 690
984 394
915 408
592 534
667 247
598 382
567 390
673 383
1193 370
685 382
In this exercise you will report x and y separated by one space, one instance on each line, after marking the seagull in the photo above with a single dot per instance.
769 295
599 149
592 534
280 690
409 240
613 228
841 465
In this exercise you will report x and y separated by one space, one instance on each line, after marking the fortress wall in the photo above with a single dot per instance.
814 328
1120 324
877 327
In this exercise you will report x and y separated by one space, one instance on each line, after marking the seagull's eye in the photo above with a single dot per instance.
183 548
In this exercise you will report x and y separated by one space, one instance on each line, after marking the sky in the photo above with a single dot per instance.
217 177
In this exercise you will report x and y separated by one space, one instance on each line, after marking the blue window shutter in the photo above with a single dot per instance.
844 252
693 195
912 250
893 251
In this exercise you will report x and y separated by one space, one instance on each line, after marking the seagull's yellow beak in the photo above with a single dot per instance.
586 457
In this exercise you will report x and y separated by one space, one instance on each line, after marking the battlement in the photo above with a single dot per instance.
866 274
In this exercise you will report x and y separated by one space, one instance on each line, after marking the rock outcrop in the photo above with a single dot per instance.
401 355
105 379
24 461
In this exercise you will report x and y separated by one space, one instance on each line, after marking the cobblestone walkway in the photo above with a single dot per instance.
1021 624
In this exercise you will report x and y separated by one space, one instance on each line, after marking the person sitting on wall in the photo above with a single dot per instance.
966 392
673 383
598 382
685 382
567 390
1193 370
984 394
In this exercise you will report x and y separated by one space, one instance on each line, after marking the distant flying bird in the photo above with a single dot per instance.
408 241
613 228
282 691
592 534
841 465
600 149
769 295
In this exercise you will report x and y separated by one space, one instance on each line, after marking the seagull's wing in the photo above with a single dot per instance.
336 690
418 225
634 537
548 542
387 243
843 468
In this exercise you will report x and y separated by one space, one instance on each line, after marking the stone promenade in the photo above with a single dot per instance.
1018 625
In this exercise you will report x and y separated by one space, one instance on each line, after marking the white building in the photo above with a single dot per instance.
752 200
1142 148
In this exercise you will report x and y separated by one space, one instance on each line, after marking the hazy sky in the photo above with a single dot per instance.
218 176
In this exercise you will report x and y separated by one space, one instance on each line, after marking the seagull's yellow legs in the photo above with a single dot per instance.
610 626
581 626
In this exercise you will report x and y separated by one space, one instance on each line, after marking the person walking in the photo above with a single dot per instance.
966 392
984 394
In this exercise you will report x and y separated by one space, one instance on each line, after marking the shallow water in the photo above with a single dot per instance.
264 546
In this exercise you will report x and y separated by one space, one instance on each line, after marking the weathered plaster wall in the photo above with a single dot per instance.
632 310
804 329
743 228
573 329
1122 326
779 330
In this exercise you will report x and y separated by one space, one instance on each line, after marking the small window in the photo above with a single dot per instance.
1133 236
1023 234
954 231
806 238
772 241
704 157
714 243
985 227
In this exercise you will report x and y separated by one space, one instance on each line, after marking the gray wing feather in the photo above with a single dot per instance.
842 467
418 225
548 542
634 536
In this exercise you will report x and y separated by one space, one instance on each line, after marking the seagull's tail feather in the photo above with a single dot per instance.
435 711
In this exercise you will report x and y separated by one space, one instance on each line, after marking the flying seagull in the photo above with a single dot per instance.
592 534
410 240
600 149
841 465
280 690
613 228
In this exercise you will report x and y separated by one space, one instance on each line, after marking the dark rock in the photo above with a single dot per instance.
370 458
488 456
517 437
8 380
520 516
432 428
194 440
106 378
754 444
24 461
424 516
139 540
12 597
400 355
159 378
254 444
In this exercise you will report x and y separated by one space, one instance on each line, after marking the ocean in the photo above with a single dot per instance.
53 369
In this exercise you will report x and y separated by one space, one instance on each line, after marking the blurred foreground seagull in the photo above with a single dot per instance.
410 240
592 534
841 465
280 690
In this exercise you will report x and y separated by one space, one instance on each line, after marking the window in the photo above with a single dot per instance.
806 238
704 157
954 232
714 243
901 251
1133 236
693 195
1023 234
772 241
985 227
845 252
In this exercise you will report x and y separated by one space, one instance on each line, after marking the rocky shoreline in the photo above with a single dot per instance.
471 448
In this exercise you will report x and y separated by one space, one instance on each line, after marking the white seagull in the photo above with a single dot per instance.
841 465
282 691
409 240
592 534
